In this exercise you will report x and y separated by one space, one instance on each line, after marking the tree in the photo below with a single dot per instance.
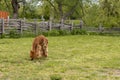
30 9
15 6
5 5
91 17
64 8
110 10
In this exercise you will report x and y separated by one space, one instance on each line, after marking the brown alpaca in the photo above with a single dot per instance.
39 47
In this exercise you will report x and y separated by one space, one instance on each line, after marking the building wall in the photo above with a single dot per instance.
4 14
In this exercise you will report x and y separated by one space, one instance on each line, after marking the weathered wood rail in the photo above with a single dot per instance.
22 25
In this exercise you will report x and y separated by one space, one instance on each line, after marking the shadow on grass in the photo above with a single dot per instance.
22 60
41 60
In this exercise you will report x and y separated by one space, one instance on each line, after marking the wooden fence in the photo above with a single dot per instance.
34 26
22 25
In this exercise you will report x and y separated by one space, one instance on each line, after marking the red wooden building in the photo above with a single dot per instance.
4 14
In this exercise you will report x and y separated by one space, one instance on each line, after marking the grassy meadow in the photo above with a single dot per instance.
79 57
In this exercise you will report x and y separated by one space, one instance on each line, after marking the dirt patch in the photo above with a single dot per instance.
1 75
110 72
114 72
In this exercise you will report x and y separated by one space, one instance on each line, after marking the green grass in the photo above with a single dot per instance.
78 57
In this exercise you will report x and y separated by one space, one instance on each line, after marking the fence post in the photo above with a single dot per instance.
50 25
100 28
2 25
8 19
20 27
24 21
71 27
81 24
35 23
61 24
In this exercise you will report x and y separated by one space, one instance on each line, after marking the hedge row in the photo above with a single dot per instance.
14 34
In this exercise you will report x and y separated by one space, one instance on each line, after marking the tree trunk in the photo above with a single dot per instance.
15 6
61 15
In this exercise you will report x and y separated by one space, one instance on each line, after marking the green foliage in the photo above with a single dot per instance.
2 35
5 5
110 15
64 32
78 31
14 34
55 77
111 22
28 34
91 17
92 33
45 33
93 12
53 33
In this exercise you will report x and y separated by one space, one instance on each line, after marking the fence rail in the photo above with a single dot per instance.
22 25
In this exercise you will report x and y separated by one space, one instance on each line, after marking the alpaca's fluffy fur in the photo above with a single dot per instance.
39 47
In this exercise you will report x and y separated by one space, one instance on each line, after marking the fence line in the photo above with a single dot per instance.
22 25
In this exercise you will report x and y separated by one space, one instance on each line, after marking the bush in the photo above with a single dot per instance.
64 32
14 34
55 77
45 33
78 31
93 33
2 35
28 34
53 33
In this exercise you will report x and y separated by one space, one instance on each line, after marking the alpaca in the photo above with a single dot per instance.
39 47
